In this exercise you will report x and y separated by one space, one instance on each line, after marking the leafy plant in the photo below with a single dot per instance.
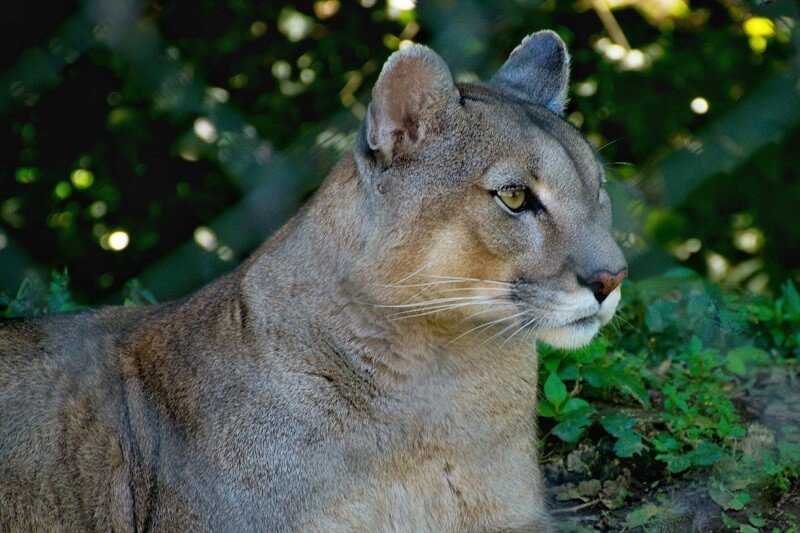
776 323
35 298
663 383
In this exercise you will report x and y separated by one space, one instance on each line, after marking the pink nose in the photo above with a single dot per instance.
601 283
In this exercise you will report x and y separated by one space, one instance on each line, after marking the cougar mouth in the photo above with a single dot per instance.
588 320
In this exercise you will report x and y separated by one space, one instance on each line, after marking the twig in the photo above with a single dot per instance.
575 508
610 22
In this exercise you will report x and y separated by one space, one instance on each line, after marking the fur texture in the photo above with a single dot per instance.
371 367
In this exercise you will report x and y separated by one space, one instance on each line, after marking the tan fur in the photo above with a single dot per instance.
286 395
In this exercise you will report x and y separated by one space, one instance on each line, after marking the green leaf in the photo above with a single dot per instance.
729 522
570 430
633 387
659 316
551 364
545 408
617 424
789 451
628 444
707 453
791 296
738 502
591 352
664 442
728 500
676 463
555 390
598 377
741 359
642 516
573 404
569 371
757 521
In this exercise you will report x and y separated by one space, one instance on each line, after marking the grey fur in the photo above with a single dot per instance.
288 395
537 71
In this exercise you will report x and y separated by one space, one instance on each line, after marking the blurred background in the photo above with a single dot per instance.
165 140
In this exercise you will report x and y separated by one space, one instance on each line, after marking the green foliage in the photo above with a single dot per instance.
165 125
777 323
35 298
660 388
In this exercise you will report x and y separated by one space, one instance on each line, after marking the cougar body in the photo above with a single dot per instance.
371 367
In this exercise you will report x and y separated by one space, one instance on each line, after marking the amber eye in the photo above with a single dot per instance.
512 199
516 201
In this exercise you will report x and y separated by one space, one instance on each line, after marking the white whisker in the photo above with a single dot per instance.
507 327
522 328
499 308
474 280
486 325
431 310
433 302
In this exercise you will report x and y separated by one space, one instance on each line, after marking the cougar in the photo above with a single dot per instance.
373 366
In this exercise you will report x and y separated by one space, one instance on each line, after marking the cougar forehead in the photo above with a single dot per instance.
548 148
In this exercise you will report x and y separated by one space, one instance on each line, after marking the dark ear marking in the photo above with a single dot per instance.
537 71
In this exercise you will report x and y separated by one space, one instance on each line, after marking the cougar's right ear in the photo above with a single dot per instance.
413 86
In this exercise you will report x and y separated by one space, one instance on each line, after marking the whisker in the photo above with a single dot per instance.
486 325
401 280
521 328
498 289
455 278
527 334
411 285
431 302
500 308
513 324
429 311
612 142
423 285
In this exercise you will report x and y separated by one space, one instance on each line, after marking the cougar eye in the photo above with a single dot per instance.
515 201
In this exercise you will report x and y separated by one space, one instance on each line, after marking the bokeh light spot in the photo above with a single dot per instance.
699 105
26 175
62 190
402 5
82 178
324 9
205 238
116 240
615 52
258 28
205 130
759 27
98 209
294 25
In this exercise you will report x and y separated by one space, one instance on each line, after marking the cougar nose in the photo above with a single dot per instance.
602 282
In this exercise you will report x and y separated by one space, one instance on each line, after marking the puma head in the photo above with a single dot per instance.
485 207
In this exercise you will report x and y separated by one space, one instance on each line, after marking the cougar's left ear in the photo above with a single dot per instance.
413 86
537 71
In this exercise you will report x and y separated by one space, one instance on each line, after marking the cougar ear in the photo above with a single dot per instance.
413 85
537 71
